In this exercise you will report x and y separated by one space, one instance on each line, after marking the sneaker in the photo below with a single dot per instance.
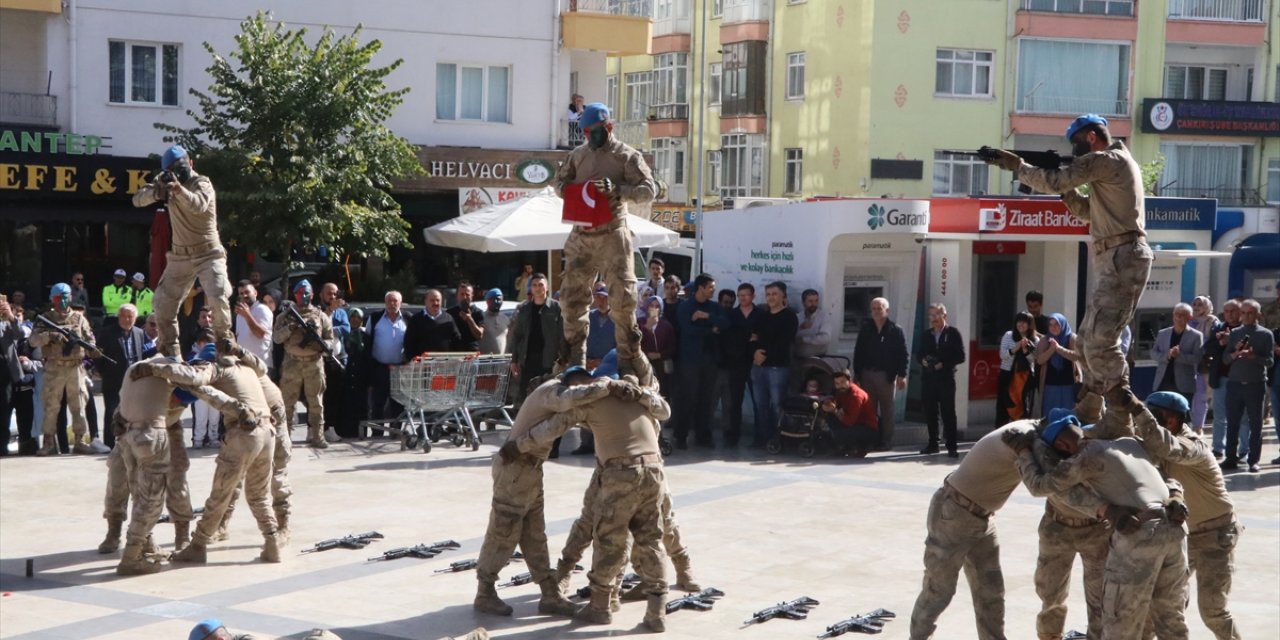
1253 468
331 435
99 446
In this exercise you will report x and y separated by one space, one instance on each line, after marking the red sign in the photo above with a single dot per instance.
1005 216
984 371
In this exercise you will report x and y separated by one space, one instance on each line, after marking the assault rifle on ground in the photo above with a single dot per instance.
353 541
526 578
700 601
424 551
797 609
166 518
467 565
310 335
72 341
629 581
872 622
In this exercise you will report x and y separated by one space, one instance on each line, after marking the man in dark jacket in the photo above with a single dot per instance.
940 351
535 336
698 320
880 365
772 338
10 367
122 342
735 358
431 331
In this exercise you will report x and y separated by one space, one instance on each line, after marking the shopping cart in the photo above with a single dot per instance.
487 400
433 391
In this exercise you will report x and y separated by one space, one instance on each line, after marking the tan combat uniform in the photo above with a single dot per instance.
1211 521
516 516
63 376
303 367
281 488
196 251
1121 257
246 456
630 487
1146 571
605 250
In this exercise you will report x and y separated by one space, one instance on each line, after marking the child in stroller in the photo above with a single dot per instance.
803 419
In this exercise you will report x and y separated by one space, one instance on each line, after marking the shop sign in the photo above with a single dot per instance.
72 176
675 218
475 199
1211 117
464 168
901 216
49 142
1191 214
1032 217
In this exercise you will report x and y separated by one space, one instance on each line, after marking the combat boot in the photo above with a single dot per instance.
134 563
597 611
270 549
487 600
655 617
634 594
83 449
220 535
49 449
684 575
195 553
315 439
553 603
1089 408
282 528
111 543
181 534
564 572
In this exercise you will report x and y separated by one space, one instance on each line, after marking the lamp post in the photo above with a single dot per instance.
701 130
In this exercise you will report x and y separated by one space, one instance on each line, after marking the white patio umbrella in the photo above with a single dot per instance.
530 224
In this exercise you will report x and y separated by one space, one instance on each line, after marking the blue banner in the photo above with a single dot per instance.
1187 214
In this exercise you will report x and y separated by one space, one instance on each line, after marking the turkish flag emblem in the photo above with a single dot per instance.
585 206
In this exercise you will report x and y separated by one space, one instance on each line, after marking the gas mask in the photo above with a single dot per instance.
1080 148
495 304
182 169
62 303
303 297
598 136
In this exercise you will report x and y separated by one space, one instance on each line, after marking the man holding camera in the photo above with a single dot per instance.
196 250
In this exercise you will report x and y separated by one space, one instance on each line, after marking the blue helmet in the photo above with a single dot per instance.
1169 401
60 289
208 353
302 284
171 156
184 397
593 114
1084 121
204 628
564 376
493 294
1055 427
608 367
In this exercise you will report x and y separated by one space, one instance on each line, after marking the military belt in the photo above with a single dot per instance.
197 249
1106 244
964 501
1064 519
632 461
1215 523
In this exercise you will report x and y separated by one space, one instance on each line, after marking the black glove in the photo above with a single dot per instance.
167 178
1006 160
1176 510
246 417
1120 397
509 452
624 390
604 185
228 347
1123 519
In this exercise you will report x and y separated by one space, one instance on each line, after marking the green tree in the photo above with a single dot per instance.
1151 174
292 136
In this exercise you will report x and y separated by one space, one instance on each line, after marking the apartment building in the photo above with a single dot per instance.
82 83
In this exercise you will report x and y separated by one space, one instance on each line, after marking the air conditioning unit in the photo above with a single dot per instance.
749 203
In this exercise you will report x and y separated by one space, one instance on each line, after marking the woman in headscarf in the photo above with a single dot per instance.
1017 349
1202 320
658 340
1057 355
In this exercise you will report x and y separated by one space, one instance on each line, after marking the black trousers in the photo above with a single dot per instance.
739 385
6 410
335 394
939 396
110 400
1003 401
381 405
1245 398
697 382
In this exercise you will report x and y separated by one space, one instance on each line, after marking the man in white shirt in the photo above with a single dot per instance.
253 323
813 336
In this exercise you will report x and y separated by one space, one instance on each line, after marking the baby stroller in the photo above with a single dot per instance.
802 417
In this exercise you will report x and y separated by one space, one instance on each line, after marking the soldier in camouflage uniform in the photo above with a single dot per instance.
196 247
628 499
517 512
63 371
621 173
246 456
1213 529
1121 261
303 367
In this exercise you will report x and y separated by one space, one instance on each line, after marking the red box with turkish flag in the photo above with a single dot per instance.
585 206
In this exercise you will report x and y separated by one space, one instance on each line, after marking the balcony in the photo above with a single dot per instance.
617 27
1217 10
746 11
1082 7
28 108
569 135
1056 105
634 133
669 112
1227 196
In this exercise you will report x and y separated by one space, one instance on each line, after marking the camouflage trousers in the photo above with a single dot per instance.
1211 555
516 517
609 254
59 381
1120 275
180 272
1060 543
1146 576
281 489
245 456
177 496
959 540
144 456
629 500
581 532
305 376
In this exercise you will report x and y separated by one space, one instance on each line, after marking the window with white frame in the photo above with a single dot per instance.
743 165
1091 7
1207 171
712 182
795 172
639 88
715 73
795 76
963 72
1187 82
1072 77
611 93
717 8
955 175
668 161
142 73
671 84
1273 180
473 92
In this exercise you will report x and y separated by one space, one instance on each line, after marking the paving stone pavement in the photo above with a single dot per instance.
762 528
